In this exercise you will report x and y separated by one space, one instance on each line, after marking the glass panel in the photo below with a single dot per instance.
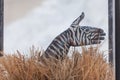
61 27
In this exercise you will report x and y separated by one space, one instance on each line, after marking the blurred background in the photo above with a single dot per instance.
15 9
38 22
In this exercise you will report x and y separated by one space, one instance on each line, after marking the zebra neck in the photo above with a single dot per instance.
57 48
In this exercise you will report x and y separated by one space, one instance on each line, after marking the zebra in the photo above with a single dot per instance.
75 35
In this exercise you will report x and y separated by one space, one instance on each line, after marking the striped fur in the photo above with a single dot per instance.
75 35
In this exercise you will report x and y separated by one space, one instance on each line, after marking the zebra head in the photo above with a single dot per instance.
84 35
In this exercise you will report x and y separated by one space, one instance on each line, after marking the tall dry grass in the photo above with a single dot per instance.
88 65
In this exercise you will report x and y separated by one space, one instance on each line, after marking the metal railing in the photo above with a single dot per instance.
1 26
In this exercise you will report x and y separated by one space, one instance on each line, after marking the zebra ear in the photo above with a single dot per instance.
78 20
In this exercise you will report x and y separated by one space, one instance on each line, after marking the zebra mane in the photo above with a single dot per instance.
77 21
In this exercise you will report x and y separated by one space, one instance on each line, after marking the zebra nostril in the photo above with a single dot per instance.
100 31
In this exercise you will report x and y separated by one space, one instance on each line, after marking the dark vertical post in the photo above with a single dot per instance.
1 26
117 40
110 24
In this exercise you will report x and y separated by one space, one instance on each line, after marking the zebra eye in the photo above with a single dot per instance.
87 30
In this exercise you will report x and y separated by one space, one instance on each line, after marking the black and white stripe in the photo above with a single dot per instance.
75 35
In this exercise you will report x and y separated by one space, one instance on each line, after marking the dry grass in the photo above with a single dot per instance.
90 65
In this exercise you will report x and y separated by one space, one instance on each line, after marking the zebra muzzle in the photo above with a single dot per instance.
101 32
